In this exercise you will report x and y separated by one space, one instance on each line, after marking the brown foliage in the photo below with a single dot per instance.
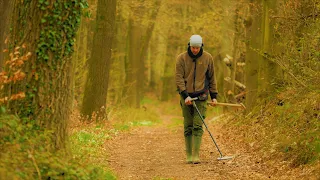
13 73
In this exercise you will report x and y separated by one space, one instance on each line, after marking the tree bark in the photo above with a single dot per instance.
80 61
233 67
227 48
47 31
218 69
268 68
168 78
5 9
134 67
144 49
135 33
96 89
253 58
117 85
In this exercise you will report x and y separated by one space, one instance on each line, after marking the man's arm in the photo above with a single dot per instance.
180 77
212 81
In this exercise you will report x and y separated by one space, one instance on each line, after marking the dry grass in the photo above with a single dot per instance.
285 127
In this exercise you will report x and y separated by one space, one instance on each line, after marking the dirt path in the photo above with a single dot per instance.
157 152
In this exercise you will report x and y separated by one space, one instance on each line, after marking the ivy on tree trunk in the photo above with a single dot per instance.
46 29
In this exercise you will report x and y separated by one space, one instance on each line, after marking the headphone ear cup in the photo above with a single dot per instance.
188 43
202 45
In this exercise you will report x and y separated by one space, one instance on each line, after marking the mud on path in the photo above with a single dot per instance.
157 152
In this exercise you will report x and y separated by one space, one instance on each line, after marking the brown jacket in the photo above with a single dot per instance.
194 78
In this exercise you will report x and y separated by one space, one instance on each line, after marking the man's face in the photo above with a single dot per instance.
195 50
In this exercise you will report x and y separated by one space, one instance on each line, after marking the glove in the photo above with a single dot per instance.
188 101
214 102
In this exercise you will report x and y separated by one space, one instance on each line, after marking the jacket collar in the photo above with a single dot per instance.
194 57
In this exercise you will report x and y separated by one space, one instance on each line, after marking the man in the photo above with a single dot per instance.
194 78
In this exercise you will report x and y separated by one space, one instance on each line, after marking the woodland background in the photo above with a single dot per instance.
97 60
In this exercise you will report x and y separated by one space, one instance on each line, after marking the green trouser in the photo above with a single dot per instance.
193 128
192 121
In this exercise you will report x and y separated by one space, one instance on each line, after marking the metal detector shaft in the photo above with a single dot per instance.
227 104
195 106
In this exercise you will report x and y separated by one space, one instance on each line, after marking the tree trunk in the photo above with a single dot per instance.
5 9
153 70
80 60
268 68
95 95
227 49
233 67
47 31
253 59
158 51
117 85
144 49
133 64
168 78
219 65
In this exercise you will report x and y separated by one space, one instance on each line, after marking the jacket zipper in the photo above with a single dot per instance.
194 75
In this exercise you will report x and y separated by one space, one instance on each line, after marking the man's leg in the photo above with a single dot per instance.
198 130
188 127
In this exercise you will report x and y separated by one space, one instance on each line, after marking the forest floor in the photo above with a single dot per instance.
157 152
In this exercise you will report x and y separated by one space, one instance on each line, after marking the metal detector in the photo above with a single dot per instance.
221 156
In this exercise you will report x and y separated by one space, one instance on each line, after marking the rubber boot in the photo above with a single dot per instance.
196 149
188 142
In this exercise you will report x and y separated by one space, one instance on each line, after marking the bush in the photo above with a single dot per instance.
286 125
25 154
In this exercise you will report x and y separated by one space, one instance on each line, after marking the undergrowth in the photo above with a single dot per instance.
286 126
25 154
87 147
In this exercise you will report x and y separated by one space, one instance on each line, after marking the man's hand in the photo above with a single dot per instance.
188 101
214 102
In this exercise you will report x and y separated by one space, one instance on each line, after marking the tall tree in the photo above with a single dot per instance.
132 65
83 47
136 30
5 9
268 68
117 73
233 67
80 59
45 29
253 59
146 37
168 79
176 40
96 88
